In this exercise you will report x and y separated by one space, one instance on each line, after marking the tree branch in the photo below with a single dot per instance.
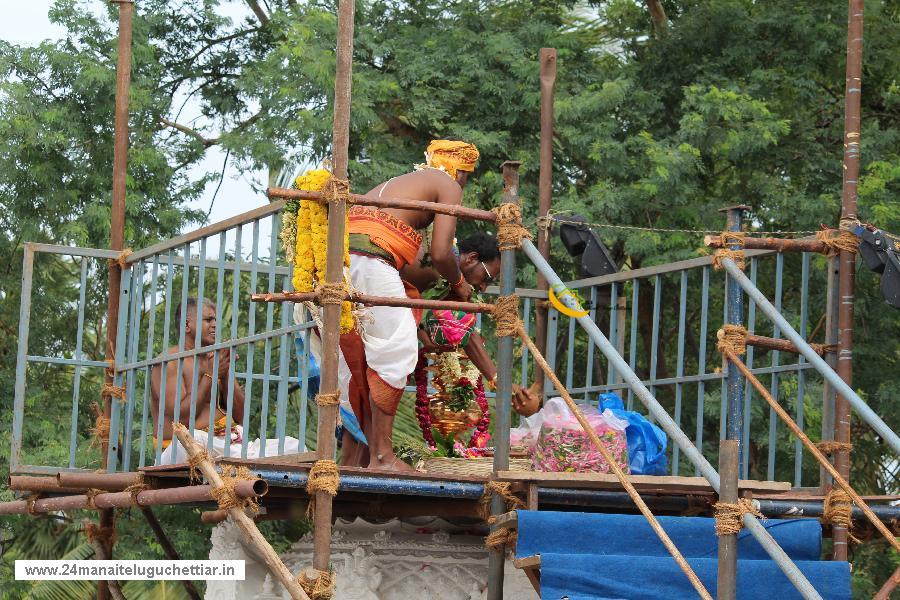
207 142
258 11
658 15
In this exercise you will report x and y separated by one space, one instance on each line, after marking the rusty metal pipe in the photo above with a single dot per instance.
847 276
116 231
109 500
27 483
547 59
464 212
168 548
112 482
472 307
272 513
777 244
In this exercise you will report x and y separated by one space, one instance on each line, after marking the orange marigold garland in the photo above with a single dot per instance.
312 242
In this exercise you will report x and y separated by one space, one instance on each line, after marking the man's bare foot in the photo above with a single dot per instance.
389 462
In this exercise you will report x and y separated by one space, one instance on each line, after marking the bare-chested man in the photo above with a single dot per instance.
176 389
377 361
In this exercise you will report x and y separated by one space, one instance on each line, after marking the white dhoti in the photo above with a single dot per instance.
176 453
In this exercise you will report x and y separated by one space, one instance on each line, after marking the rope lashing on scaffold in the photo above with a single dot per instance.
831 447
113 391
110 367
500 538
136 488
104 535
838 510
732 338
837 240
194 463
336 190
320 587
323 477
729 516
100 430
29 502
92 493
506 315
545 223
329 399
502 489
332 293
510 231
122 258
728 239
225 494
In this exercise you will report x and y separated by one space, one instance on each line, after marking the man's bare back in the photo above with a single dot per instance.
428 185
431 185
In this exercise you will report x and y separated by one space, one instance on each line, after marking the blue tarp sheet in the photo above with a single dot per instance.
594 556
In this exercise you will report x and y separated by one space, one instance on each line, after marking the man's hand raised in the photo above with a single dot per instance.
526 402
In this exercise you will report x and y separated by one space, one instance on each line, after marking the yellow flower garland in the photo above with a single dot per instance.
312 242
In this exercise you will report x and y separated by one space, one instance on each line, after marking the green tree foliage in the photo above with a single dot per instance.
730 101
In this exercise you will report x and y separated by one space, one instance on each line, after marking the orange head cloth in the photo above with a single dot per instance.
451 156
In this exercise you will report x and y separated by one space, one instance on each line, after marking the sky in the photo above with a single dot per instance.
26 23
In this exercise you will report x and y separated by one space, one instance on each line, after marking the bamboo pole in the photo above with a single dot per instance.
839 480
472 307
252 536
642 506
334 274
888 588
464 212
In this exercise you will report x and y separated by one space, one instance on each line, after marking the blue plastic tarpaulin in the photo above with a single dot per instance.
593 556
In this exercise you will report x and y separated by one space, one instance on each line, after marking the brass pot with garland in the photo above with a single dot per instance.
448 422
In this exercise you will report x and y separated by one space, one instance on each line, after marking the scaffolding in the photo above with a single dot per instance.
314 477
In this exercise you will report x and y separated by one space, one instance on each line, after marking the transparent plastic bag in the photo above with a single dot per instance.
563 445
525 436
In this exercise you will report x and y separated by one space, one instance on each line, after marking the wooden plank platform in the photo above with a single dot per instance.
643 483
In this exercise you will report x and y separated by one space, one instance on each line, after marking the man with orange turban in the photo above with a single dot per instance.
377 359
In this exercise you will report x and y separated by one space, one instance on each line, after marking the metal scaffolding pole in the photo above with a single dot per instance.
657 412
116 233
545 190
503 404
730 453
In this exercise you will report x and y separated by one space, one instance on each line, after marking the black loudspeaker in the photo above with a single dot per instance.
580 240
574 237
880 253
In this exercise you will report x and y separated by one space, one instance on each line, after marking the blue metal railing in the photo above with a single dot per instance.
644 311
